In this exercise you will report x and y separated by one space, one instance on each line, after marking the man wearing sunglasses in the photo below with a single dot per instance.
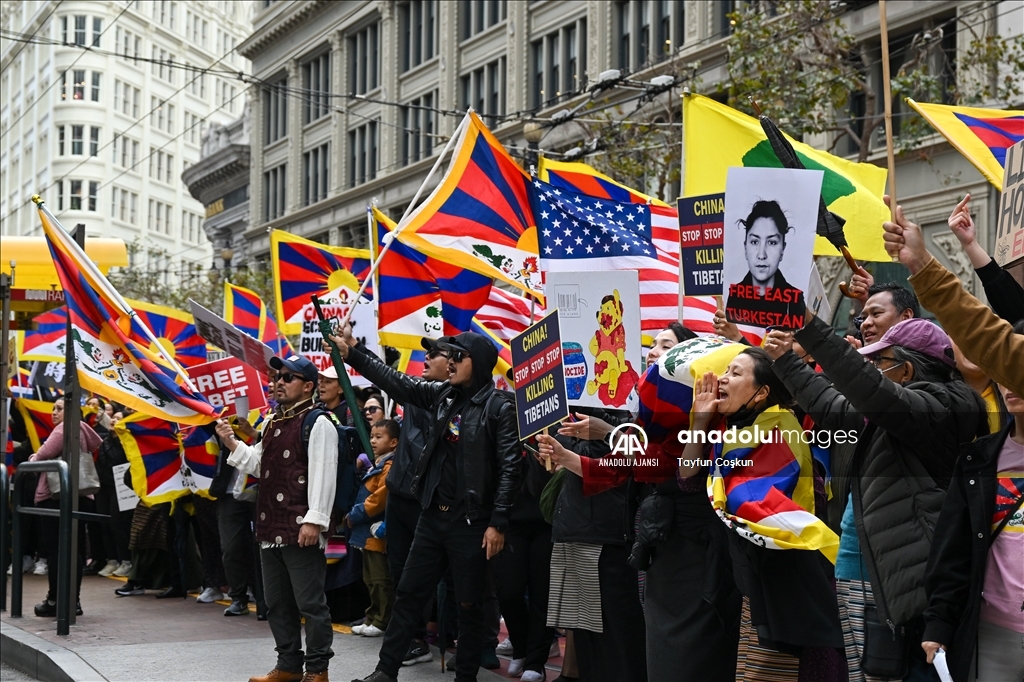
293 510
465 480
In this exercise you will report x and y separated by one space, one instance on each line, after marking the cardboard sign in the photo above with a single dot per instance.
1010 226
538 376
601 344
126 497
817 299
221 333
701 223
771 218
335 306
224 382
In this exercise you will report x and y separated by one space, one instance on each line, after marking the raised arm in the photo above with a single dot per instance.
404 389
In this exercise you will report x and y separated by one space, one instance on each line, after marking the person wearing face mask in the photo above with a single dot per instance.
466 480
789 606
909 413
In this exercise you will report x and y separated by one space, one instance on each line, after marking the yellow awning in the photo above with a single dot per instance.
34 265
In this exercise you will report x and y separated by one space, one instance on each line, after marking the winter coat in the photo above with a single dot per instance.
371 500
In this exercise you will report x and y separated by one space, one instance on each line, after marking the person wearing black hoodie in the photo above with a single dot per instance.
466 481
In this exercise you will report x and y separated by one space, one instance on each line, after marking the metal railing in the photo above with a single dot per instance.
65 606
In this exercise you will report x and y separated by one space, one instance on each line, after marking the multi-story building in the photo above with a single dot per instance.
354 100
103 108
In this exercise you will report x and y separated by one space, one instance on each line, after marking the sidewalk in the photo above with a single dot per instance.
124 639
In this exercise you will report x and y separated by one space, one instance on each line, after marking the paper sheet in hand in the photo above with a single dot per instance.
940 666
126 497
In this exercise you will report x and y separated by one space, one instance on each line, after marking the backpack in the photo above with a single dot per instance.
349 447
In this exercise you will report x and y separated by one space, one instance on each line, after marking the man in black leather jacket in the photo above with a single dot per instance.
466 481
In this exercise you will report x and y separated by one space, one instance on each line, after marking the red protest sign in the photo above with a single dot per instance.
224 381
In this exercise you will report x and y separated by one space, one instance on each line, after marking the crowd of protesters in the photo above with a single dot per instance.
455 524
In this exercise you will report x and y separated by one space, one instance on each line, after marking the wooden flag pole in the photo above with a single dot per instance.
887 98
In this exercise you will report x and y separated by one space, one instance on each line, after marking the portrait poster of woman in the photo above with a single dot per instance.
770 220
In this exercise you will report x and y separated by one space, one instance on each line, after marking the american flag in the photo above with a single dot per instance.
507 314
577 232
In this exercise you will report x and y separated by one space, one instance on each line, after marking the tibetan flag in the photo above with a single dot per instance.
153 449
762 486
479 217
38 416
245 309
420 295
50 330
581 178
717 137
981 135
111 361
200 449
411 362
303 268
175 331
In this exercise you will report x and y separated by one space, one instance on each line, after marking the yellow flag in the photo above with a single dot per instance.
717 137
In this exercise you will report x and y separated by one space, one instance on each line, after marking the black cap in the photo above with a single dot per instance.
297 364
450 343
430 345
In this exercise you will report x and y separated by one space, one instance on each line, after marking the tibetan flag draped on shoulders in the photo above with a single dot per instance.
584 233
200 449
174 330
717 137
38 416
582 178
41 343
419 295
153 449
245 309
111 359
981 135
479 217
762 486
303 268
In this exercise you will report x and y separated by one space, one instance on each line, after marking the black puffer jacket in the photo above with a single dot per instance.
605 518
908 441
956 570
488 453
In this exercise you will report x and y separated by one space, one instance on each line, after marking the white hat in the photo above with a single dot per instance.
329 373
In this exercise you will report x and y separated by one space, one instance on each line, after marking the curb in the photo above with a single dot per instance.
42 659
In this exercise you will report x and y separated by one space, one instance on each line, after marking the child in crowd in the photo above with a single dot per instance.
367 511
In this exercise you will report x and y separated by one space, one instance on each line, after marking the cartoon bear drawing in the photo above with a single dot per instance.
614 376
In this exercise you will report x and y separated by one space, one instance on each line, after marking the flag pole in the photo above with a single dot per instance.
412 204
887 95
112 293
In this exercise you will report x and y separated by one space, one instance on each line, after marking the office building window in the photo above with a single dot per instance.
316 81
649 30
96 75
94 141
315 169
78 84
75 196
275 110
418 25
94 191
128 44
418 119
60 140
162 64
479 15
80 30
76 140
97 30
484 90
364 64
274 192
362 154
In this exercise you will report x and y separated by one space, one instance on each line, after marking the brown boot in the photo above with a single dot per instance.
276 675
315 677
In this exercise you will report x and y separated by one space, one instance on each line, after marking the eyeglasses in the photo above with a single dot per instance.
877 362
457 355
287 377
371 409
436 354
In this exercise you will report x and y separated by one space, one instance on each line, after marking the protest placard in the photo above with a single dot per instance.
126 497
700 243
771 216
221 333
223 382
1010 226
335 306
539 377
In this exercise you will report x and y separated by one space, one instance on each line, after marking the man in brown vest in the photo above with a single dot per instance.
297 475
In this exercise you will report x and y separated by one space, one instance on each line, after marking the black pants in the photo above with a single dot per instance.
209 542
116 531
239 549
618 653
51 539
524 567
293 582
442 539
403 514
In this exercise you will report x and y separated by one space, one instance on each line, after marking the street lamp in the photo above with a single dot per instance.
533 131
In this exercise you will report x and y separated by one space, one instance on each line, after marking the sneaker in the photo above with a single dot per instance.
555 651
130 590
371 631
504 647
489 659
46 609
123 570
377 676
418 653
27 563
516 667
40 567
109 568
357 629
210 595
78 609
533 676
